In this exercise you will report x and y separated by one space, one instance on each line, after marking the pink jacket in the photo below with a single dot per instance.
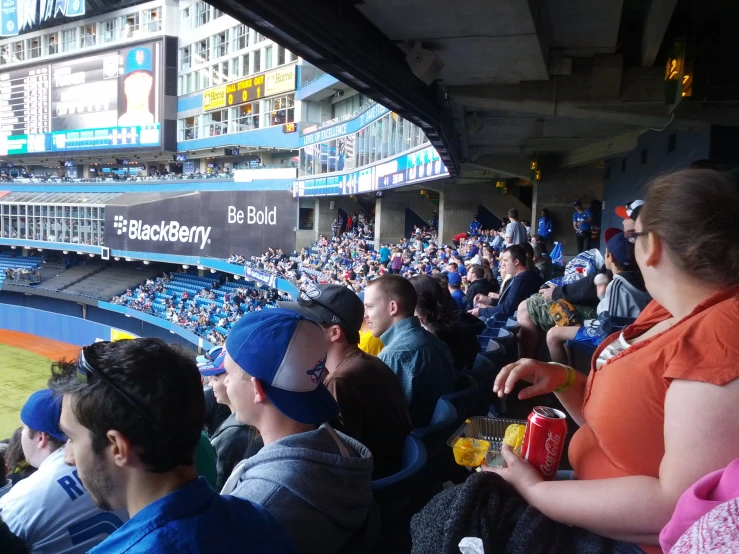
706 517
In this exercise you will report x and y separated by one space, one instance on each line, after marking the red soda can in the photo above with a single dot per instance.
544 440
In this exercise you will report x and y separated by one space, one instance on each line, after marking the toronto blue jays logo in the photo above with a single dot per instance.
139 57
317 371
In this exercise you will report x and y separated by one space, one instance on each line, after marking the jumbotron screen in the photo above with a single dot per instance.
109 100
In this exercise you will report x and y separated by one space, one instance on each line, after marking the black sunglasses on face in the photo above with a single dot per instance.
85 369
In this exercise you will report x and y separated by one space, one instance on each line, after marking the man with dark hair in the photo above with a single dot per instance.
134 412
515 232
478 285
422 362
524 283
50 510
316 481
371 401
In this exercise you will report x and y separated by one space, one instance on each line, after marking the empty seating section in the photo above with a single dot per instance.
105 284
73 275
9 261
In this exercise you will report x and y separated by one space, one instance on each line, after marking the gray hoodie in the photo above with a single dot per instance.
317 484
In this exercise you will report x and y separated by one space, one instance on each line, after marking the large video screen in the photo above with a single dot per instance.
108 100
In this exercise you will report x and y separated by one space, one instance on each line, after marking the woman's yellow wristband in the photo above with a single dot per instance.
569 379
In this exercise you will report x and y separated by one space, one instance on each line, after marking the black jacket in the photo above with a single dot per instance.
480 286
487 507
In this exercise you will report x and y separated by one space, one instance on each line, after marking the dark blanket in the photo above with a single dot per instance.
487 507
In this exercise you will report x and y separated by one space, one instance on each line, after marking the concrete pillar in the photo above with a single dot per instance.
557 190
459 204
390 213
328 209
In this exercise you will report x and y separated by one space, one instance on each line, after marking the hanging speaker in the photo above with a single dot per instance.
424 63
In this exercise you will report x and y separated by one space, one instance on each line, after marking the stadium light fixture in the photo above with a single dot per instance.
92 255
212 270
40 249
65 251
146 262
201 267
236 277
26 248
128 259
185 266
78 252
12 247
117 259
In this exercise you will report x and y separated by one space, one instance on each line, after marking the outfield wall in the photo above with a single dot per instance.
70 322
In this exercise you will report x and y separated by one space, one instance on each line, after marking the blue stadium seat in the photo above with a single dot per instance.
443 423
464 398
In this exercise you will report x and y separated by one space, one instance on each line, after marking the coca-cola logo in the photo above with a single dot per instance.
552 448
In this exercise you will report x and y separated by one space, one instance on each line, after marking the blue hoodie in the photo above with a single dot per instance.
320 495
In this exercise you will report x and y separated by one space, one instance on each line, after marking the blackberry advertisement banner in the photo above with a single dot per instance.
206 224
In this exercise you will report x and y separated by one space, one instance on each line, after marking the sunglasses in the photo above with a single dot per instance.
85 369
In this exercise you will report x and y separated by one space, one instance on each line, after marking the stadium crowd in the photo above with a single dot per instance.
209 312
296 429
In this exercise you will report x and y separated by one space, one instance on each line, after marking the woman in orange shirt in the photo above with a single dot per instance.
660 407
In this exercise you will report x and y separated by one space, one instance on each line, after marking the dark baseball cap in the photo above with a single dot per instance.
330 304
619 247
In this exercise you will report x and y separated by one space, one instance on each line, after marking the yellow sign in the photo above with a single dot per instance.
117 334
214 98
273 82
280 80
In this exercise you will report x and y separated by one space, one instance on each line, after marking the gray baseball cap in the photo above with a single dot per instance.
330 304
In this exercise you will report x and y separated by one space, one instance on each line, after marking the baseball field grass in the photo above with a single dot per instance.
25 362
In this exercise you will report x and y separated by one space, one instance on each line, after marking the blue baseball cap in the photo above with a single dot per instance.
619 247
454 279
209 356
138 59
216 367
287 353
42 411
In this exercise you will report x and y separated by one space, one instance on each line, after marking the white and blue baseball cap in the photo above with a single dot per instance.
287 353
216 367
209 356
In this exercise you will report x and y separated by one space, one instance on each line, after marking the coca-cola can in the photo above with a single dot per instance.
544 440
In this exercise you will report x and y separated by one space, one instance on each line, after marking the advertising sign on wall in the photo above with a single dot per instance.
252 88
417 167
108 100
214 224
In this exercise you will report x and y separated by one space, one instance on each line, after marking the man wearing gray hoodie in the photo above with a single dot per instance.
313 479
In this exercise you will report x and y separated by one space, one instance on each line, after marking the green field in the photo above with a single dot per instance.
21 373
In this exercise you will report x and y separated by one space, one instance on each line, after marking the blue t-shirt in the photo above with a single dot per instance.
582 216
195 518
459 299
545 227
462 270
475 227
384 254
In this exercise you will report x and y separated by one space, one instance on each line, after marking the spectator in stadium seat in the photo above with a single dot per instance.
533 314
18 466
524 283
231 439
455 289
371 401
438 314
422 361
625 296
50 510
477 285
515 232
314 480
660 391
133 411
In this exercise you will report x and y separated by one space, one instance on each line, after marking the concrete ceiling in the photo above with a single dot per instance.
542 77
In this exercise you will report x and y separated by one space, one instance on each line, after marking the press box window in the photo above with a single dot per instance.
306 215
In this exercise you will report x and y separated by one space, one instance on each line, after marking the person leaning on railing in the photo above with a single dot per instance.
659 409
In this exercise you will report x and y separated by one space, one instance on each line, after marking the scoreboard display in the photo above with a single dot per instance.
107 100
